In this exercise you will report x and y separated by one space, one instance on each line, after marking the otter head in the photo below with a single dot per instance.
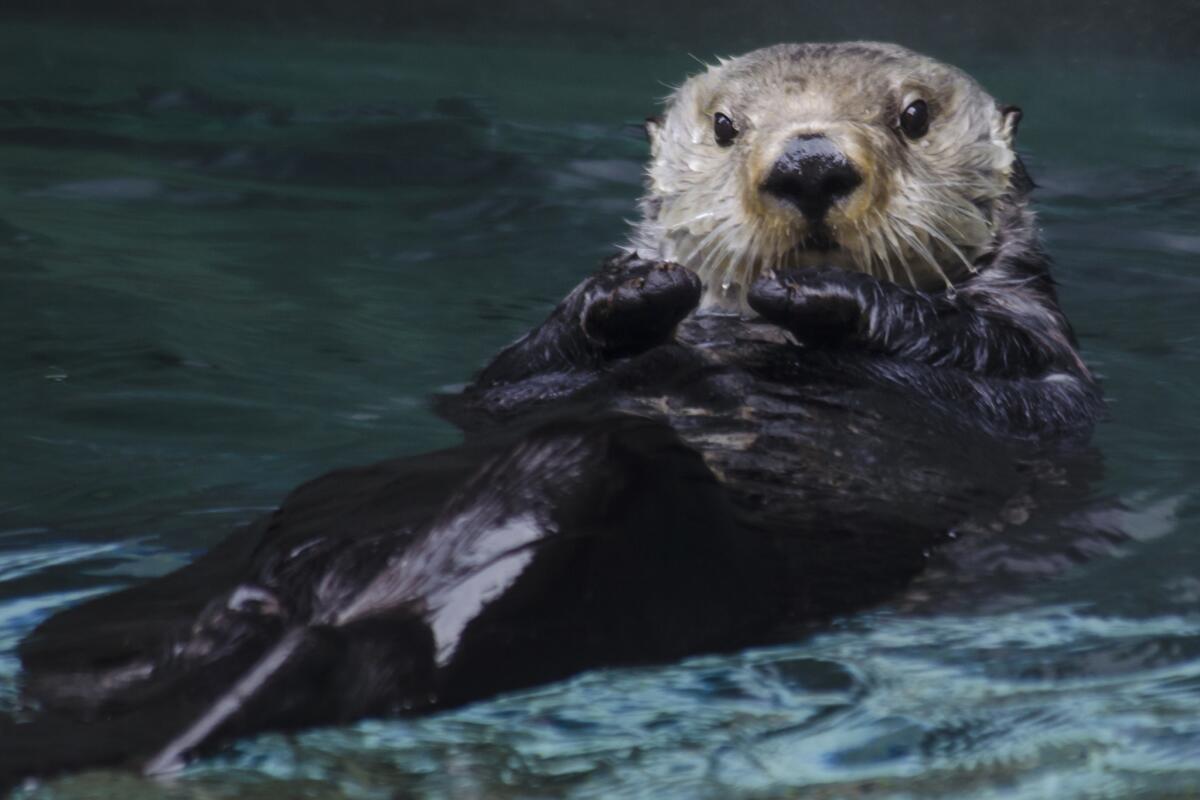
863 156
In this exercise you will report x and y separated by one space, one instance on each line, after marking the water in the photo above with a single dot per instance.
231 261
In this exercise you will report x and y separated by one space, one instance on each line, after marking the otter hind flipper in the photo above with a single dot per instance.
576 543
307 676
312 675
79 657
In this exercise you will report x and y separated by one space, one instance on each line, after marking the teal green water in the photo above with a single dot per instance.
229 263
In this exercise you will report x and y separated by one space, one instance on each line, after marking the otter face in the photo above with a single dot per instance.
863 156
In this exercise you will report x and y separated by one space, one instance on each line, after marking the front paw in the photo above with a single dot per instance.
822 307
633 304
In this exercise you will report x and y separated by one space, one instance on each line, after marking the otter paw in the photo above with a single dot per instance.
634 304
821 307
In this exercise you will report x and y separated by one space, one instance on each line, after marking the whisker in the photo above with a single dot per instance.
919 249
685 222
715 234
920 225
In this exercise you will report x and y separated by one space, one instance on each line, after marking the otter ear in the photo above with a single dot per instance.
1019 179
1011 120
653 128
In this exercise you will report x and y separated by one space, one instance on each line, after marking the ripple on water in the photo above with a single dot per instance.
896 707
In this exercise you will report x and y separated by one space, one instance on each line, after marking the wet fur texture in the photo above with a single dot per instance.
725 437
933 262
927 208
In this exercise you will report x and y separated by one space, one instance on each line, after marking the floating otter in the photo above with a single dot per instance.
832 341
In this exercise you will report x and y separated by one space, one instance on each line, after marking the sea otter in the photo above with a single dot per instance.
832 340
862 197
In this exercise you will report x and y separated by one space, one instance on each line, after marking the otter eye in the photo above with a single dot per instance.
914 120
723 129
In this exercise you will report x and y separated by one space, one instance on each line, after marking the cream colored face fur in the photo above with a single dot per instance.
921 216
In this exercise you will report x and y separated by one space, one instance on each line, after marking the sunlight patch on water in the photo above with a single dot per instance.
21 563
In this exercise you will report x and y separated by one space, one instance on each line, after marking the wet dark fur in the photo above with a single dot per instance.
996 353
638 483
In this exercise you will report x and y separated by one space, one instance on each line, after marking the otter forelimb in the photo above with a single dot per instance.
627 307
969 329
998 343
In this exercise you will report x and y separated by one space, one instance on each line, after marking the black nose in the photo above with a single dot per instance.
811 174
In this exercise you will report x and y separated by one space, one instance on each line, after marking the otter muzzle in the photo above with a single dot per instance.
811 174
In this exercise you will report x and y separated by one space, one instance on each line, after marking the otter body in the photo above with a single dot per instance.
762 415
862 197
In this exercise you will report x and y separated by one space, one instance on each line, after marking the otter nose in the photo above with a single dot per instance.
811 174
